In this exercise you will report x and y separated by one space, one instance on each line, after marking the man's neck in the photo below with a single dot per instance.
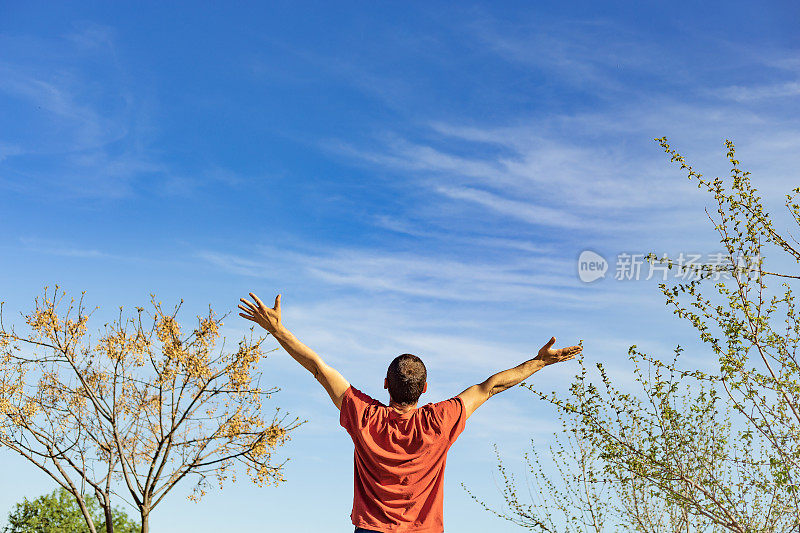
402 408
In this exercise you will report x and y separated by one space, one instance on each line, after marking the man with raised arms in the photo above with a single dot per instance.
400 448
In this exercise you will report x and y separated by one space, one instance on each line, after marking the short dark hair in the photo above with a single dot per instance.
406 378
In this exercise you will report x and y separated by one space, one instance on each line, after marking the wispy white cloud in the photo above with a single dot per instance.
464 279
470 240
77 125
600 171
233 264
89 35
535 180
743 93
53 247
9 150
86 143
595 55
525 211
449 279
599 167
88 130
459 279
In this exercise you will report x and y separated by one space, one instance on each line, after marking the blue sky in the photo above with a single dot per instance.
412 177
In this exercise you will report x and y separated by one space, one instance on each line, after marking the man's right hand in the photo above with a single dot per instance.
549 355
267 318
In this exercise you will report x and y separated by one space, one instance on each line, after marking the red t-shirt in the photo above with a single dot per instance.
399 461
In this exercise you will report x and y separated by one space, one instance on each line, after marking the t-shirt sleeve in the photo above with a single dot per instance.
453 417
354 403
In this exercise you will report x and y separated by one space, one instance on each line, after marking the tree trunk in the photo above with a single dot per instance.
85 511
145 515
105 504
109 517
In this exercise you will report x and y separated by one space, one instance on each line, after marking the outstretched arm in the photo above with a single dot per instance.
474 396
270 320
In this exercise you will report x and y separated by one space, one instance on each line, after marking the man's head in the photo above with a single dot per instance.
406 379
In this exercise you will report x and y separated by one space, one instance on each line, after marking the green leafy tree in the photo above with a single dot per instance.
58 512
691 450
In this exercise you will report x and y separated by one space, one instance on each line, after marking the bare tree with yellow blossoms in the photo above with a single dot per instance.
144 407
